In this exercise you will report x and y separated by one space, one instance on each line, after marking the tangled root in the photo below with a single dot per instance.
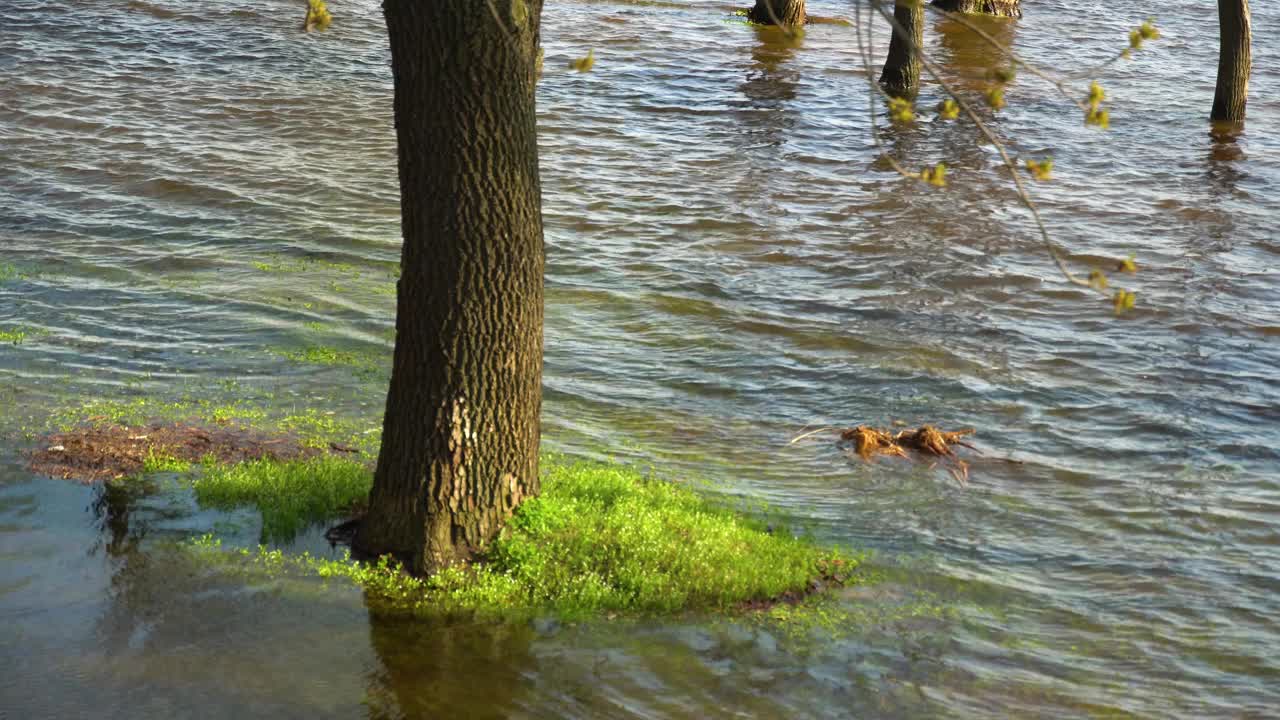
930 440
868 442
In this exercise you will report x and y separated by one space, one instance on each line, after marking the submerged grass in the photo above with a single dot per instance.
314 428
158 461
14 336
142 410
599 539
368 366
322 355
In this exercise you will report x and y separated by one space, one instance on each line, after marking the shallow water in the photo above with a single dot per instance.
187 195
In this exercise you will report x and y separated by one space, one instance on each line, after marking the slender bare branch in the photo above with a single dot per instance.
933 71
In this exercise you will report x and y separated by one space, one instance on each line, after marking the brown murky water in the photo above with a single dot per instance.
187 192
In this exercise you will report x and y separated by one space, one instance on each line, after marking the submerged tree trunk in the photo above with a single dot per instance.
1234 61
901 74
461 429
1004 8
777 12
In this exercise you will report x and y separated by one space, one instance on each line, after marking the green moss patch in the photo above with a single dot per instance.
599 539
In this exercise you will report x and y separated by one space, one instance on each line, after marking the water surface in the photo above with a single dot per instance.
188 194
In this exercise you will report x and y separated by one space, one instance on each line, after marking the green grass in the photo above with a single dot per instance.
290 495
604 538
163 462
600 539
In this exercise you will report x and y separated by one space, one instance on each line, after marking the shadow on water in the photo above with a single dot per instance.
437 669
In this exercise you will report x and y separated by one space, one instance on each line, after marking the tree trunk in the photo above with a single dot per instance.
1234 61
784 12
901 75
461 429
1003 8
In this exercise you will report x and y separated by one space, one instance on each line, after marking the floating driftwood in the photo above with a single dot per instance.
868 442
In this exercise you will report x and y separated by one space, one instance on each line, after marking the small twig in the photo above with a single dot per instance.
811 433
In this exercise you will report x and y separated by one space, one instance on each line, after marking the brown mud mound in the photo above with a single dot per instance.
109 452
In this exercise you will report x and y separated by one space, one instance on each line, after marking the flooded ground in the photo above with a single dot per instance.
202 203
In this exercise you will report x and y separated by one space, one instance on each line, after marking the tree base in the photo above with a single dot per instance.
999 8
900 84
784 12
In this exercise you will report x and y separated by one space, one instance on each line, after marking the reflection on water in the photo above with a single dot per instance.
772 80
967 55
189 199
1224 167
113 506
429 669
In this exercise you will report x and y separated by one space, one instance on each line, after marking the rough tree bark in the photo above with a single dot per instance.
461 428
784 12
1004 8
901 74
1235 61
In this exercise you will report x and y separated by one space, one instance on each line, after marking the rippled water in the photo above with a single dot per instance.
189 191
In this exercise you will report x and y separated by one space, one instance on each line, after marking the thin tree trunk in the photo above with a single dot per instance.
1234 61
1004 8
901 74
783 12
461 429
